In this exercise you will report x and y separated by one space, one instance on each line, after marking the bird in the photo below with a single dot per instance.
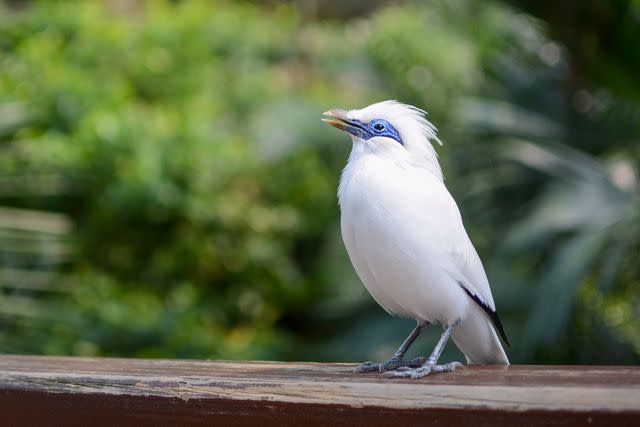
404 235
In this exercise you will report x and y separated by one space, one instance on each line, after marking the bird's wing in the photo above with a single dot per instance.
469 266
470 275
439 217
460 259
447 231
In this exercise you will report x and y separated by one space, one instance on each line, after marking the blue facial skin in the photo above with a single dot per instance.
376 127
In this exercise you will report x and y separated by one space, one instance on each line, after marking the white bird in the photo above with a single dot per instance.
406 240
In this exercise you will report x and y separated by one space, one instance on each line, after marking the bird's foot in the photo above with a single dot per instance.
390 365
422 371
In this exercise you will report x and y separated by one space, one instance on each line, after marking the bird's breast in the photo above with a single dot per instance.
395 244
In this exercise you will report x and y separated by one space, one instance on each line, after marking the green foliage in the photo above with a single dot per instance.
177 189
186 238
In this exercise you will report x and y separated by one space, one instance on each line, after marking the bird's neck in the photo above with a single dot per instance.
420 155
428 159
366 167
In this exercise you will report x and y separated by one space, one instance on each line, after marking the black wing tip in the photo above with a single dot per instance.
493 315
498 324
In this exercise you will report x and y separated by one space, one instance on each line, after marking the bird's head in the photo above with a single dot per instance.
390 129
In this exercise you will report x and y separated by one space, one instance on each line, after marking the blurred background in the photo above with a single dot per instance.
167 188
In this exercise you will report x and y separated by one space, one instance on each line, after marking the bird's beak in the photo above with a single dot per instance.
336 118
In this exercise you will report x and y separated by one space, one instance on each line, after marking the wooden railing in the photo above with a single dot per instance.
37 391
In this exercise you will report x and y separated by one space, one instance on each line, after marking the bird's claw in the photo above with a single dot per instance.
368 367
390 365
422 371
405 372
394 364
448 367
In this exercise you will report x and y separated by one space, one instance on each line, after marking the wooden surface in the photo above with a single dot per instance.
37 390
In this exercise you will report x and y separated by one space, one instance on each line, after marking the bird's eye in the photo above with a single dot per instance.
378 126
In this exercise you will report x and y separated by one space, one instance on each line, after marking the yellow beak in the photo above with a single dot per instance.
336 118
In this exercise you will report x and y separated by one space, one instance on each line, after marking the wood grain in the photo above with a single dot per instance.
103 391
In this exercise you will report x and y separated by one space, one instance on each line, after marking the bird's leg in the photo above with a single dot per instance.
397 360
430 365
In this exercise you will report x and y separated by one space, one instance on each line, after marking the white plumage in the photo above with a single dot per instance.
404 233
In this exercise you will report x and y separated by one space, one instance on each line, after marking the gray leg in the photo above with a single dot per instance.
430 365
397 360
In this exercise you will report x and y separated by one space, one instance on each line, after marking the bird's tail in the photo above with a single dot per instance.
477 339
